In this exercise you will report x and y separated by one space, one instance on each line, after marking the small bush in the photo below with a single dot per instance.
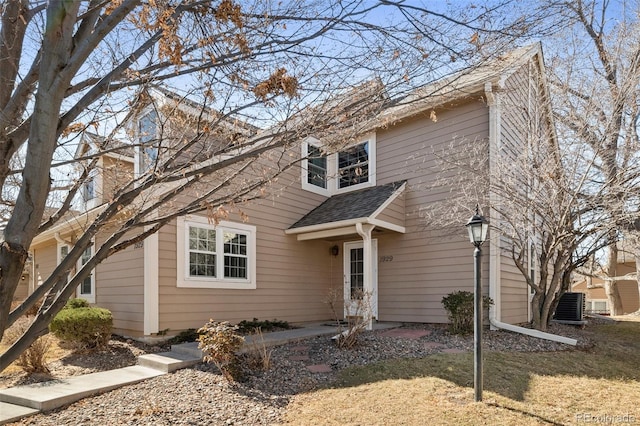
257 355
189 335
76 303
84 328
33 360
361 313
459 306
220 342
250 327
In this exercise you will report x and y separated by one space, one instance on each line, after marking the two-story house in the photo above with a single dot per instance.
345 220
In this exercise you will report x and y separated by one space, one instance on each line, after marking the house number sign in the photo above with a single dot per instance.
386 259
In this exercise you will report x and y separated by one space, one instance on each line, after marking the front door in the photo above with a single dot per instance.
358 294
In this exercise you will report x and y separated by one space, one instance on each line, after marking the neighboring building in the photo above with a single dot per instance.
348 220
596 300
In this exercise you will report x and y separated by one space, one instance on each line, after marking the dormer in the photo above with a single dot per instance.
114 167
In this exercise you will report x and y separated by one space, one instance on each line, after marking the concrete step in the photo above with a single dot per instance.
190 348
46 396
11 412
168 362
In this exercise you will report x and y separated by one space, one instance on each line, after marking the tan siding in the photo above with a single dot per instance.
519 102
45 261
293 278
424 269
119 288
394 213
115 173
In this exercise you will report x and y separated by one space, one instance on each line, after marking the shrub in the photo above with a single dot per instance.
189 335
220 342
459 306
257 356
84 328
250 327
76 303
361 314
33 360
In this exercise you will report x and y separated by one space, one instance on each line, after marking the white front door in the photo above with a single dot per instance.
359 292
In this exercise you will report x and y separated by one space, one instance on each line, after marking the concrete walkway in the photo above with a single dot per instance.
21 401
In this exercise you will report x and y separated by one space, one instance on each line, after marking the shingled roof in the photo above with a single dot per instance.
351 205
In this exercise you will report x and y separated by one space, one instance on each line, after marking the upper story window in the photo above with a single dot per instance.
349 169
316 167
215 256
89 189
147 138
353 165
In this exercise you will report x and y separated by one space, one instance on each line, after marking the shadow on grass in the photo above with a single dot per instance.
615 355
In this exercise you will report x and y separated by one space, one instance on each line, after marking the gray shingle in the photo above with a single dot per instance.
351 205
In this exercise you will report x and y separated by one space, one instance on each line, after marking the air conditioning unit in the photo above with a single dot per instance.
570 307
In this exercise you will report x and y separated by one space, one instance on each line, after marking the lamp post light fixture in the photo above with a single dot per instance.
477 227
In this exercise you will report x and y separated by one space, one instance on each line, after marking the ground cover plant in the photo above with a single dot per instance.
597 384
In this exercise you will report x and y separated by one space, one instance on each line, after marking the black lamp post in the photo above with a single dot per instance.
477 227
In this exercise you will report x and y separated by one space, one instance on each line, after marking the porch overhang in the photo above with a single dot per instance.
343 214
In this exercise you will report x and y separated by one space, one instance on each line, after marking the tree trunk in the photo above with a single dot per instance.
611 286
30 203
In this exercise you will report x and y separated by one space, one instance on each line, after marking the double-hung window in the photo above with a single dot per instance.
353 165
349 169
215 256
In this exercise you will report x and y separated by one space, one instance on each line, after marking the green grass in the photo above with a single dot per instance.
519 388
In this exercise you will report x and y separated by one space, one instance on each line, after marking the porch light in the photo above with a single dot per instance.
477 227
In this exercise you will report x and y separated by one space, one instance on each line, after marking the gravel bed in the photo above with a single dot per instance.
200 396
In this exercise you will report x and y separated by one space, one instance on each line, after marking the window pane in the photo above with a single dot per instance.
235 243
201 239
86 255
316 167
357 273
147 137
202 264
85 287
353 165
235 267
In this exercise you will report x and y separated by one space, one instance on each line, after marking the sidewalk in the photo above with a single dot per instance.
21 401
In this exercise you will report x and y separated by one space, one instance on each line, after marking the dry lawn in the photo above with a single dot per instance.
599 385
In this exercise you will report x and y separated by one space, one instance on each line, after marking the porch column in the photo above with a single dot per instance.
364 230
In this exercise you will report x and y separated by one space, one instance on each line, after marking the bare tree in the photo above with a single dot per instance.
70 67
595 74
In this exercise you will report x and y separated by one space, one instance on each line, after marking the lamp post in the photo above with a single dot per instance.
477 227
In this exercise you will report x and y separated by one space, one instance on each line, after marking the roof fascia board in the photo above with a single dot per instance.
325 226
347 230
67 225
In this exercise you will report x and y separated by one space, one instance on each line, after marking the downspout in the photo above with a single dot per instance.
365 232
493 100
495 118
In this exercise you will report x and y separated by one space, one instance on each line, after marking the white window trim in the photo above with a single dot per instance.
305 169
184 280
332 168
91 298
